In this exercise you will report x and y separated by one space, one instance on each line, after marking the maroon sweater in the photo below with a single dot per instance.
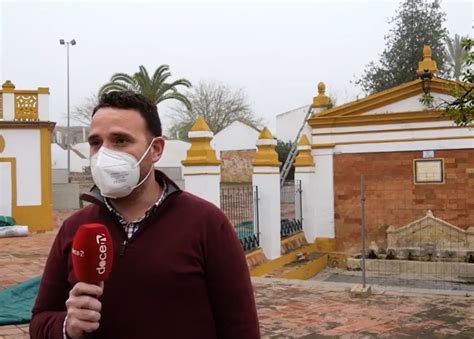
183 274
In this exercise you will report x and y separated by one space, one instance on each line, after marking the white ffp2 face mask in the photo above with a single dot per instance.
116 173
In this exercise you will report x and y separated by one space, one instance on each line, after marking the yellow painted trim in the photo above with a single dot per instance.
379 119
271 265
40 218
294 237
43 90
26 91
27 124
203 173
254 252
387 141
429 183
325 244
46 180
386 97
266 173
308 172
308 270
322 146
2 143
390 130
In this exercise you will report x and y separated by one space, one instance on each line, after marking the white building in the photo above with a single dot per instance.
288 124
235 137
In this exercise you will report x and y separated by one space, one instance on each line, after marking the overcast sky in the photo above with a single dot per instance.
277 51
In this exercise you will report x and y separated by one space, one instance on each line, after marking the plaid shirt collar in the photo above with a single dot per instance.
132 226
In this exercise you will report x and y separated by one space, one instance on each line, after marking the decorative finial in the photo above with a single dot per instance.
266 154
429 214
200 153
265 134
427 64
321 88
200 125
304 158
321 100
8 86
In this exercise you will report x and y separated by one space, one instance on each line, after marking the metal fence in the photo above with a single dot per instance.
291 209
408 245
239 203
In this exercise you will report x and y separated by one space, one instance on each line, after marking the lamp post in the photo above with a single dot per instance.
67 43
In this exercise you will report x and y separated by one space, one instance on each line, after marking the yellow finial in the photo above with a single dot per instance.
200 153
265 134
200 125
304 158
266 154
321 88
8 87
321 100
304 141
427 64
2 144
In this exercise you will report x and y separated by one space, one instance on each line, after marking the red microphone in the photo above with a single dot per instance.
92 253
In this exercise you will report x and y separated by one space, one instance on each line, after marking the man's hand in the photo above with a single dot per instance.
83 309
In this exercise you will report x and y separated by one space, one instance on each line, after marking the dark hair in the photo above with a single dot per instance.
135 101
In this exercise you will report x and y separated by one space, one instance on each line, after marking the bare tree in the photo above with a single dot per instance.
82 113
218 104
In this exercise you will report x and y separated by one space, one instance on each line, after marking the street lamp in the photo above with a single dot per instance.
67 43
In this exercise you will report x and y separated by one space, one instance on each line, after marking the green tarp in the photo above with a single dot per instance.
17 301
6 221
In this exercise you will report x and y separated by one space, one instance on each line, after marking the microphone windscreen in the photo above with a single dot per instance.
92 253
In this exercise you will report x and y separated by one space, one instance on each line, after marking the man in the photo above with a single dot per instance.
178 269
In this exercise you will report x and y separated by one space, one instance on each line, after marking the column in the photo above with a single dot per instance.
266 176
202 170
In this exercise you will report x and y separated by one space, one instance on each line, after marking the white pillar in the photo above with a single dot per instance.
8 99
266 176
201 169
203 181
324 193
43 104
304 172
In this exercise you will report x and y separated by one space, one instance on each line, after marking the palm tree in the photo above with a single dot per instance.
155 88
456 56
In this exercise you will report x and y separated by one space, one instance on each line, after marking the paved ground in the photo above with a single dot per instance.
296 309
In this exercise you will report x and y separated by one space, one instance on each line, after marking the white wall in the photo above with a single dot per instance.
59 159
173 154
324 194
236 136
24 145
5 189
288 124
411 104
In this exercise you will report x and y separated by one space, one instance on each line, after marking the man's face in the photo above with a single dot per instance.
124 130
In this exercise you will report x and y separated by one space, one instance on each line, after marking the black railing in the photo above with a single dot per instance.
291 209
240 206
290 227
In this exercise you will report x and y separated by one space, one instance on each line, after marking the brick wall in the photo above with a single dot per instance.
393 199
237 166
